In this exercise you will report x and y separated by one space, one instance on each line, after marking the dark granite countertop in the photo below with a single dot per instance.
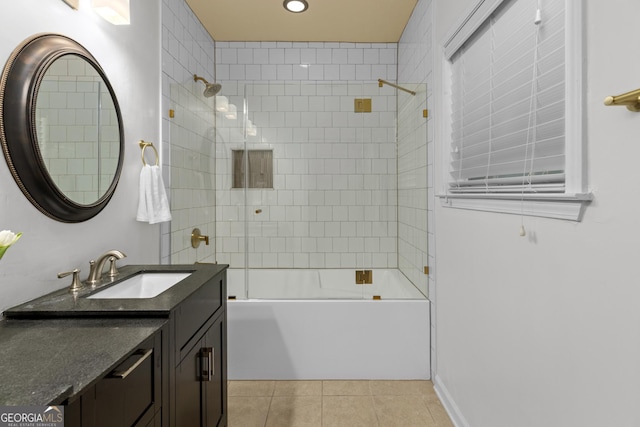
63 303
44 362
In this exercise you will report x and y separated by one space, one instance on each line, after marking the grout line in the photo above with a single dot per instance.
375 411
266 419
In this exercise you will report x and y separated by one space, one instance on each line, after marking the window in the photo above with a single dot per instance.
516 128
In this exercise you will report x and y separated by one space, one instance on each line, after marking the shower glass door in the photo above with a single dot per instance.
302 177
376 207
413 185
263 183
192 173
231 227
314 179
318 179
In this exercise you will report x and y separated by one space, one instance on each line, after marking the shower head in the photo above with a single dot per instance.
211 88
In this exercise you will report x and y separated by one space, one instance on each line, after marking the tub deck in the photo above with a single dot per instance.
283 284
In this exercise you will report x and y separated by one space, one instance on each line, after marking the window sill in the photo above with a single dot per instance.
569 207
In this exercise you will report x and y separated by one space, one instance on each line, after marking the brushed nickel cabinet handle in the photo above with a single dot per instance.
145 354
206 362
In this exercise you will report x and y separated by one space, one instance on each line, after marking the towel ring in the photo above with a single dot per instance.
143 146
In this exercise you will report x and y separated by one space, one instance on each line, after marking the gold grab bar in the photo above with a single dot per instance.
143 146
630 99
384 82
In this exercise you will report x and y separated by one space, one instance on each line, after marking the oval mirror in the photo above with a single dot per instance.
60 127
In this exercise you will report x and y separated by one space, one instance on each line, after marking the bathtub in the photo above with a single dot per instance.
318 324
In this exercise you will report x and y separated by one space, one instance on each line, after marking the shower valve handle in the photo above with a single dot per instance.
197 237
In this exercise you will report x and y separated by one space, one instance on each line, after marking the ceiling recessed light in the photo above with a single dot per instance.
296 6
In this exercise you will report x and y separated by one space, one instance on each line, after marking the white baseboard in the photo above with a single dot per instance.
450 406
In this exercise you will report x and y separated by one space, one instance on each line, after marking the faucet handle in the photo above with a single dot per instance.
113 271
197 237
75 281
92 272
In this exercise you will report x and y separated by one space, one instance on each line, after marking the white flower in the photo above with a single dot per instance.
7 238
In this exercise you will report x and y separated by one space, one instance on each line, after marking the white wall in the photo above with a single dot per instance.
130 56
543 330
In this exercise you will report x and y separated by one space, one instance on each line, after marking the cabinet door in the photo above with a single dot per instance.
129 395
214 390
73 414
188 393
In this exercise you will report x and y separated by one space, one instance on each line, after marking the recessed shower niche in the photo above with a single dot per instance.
259 172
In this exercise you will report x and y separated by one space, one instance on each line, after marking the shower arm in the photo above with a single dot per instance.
384 82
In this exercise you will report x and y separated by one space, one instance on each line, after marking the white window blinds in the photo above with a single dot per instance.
508 102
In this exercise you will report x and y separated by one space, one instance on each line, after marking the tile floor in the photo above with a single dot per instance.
334 404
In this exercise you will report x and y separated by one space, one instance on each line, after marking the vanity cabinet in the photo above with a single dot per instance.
200 380
183 382
200 375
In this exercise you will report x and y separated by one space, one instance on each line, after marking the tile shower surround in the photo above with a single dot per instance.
335 188
334 199
187 139
188 47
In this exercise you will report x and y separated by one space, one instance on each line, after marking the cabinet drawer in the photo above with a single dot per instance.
124 395
198 308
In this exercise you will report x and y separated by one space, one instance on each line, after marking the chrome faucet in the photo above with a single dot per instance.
96 267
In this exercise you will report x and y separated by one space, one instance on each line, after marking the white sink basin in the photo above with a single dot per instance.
144 285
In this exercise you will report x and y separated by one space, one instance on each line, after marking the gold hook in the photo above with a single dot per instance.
630 99
143 146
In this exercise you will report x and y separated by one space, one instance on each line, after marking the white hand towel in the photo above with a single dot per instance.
153 205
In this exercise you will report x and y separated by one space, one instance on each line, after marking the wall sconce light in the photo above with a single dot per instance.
73 4
115 11
296 6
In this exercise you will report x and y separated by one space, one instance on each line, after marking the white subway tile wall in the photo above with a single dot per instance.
334 201
188 144
339 176
416 202
414 143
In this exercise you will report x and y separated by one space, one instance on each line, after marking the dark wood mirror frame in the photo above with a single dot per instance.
19 87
